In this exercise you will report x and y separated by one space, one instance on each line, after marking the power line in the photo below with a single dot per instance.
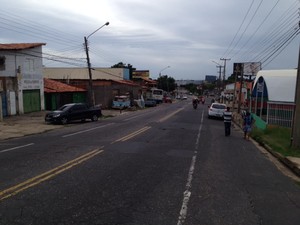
19 22
239 28
264 20
280 26
247 26
280 48
284 30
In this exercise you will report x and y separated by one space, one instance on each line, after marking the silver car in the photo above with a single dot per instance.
216 110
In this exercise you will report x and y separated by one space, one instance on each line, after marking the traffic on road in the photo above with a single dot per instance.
168 164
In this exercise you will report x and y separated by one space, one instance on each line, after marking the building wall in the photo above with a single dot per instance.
69 73
23 71
105 94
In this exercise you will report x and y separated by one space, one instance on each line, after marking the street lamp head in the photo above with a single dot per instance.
163 70
106 24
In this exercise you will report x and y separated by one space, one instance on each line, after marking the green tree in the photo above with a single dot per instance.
123 65
231 78
166 83
191 88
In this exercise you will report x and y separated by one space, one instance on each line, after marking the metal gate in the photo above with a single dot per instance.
31 101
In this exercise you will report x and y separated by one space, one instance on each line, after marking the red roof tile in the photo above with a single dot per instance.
51 86
127 82
149 80
20 46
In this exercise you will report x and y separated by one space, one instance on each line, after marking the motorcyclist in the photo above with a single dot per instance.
195 102
203 99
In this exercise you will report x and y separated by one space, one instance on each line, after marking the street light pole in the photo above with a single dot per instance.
91 90
163 70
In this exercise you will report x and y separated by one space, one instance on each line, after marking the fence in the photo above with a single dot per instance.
279 113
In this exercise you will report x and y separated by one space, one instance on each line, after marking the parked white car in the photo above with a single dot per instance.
216 110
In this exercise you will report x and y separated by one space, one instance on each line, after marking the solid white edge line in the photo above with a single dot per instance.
187 193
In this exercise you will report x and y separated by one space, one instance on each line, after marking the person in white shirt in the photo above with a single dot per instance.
227 115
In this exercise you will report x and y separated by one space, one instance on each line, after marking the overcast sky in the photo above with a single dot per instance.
186 35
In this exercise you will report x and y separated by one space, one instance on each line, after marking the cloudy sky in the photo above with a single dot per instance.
184 39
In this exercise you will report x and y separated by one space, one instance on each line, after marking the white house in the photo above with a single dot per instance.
21 78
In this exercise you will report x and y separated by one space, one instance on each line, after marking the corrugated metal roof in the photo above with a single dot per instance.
281 84
20 46
51 86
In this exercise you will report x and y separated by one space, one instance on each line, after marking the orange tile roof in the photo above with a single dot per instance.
20 46
128 82
51 86
149 80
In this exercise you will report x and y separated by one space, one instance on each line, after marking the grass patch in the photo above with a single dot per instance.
278 138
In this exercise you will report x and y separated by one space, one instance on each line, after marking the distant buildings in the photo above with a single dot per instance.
185 82
210 78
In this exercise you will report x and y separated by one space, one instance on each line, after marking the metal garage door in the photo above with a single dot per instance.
31 100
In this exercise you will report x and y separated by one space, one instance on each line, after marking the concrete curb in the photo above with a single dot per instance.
285 160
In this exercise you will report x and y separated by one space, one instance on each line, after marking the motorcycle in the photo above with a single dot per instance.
195 104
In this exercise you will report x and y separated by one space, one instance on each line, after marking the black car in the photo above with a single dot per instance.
73 111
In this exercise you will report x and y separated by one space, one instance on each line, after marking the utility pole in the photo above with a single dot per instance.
224 70
91 89
219 83
295 140
240 91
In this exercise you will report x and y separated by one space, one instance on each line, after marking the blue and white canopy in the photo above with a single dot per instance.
280 85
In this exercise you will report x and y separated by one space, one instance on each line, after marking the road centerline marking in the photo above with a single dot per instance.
9 192
133 134
170 115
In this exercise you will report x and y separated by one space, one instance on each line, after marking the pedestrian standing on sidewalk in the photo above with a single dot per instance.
248 121
227 115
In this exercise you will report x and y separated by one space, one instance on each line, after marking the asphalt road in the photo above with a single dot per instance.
164 165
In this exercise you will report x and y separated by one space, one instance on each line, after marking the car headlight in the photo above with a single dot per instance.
57 115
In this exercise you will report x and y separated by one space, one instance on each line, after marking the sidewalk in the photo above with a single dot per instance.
291 162
33 123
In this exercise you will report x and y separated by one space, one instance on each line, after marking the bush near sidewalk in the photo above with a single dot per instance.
278 138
